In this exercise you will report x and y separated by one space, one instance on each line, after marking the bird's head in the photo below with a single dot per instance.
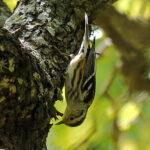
73 116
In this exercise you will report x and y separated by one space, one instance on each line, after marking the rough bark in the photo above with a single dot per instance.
32 63
131 37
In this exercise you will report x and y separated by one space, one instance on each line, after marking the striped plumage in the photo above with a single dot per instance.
80 82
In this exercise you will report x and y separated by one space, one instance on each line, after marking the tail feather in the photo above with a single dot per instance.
85 42
86 33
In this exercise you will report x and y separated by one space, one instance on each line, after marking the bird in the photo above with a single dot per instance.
80 83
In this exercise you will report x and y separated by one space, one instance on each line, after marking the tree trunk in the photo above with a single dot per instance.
33 46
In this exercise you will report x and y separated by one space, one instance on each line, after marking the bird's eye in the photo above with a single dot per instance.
71 118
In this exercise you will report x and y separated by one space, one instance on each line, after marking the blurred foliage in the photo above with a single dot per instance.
11 3
119 119
134 8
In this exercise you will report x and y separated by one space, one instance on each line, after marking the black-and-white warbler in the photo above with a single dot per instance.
80 82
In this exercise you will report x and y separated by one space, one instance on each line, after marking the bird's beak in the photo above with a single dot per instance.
61 122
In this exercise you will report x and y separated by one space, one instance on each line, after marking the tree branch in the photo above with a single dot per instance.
132 40
4 13
33 48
